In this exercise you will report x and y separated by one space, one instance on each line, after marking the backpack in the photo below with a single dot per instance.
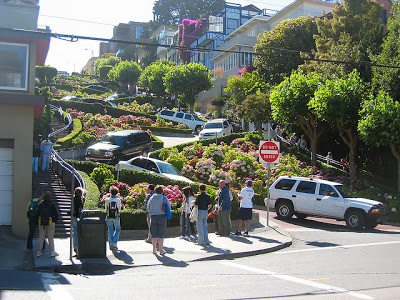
33 208
112 211
45 214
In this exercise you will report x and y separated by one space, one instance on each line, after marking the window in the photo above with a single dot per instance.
139 31
306 187
14 66
139 162
179 115
327 190
216 24
151 166
285 184
188 117
169 113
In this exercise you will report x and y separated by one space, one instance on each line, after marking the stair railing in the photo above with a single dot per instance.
64 170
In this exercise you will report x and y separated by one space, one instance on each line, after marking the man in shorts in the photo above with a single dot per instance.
246 207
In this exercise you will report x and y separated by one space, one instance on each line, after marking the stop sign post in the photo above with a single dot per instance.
269 153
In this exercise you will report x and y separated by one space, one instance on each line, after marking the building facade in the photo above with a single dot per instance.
20 52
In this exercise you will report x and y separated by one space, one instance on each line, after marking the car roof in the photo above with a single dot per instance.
217 120
124 132
310 179
149 158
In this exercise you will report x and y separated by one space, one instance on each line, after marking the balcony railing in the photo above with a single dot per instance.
23 2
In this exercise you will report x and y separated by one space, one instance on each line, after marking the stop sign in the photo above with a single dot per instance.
269 152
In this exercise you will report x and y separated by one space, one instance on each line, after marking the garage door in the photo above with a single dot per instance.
6 181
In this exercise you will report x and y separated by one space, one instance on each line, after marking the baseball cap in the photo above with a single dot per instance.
249 182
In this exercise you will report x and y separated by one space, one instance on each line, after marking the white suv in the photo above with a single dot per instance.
190 120
215 128
308 196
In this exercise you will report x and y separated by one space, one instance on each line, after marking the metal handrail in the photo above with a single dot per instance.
57 158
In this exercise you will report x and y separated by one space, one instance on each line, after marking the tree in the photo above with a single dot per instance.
170 12
338 101
152 77
104 70
106 60
388 79
380 125
293 34
45 74
245 84
353 32
151 53
126 72
257 109
290 103
129 53
187 81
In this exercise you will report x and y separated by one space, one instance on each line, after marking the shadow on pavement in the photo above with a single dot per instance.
168 261
123 256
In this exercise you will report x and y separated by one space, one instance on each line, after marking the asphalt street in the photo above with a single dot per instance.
326 261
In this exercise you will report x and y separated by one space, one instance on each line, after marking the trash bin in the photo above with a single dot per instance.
92 234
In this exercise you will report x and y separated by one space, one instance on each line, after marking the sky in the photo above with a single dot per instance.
97 18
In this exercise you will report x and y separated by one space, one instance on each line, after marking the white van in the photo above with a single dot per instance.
189 119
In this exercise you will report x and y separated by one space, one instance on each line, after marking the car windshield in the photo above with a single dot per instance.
168 169
346 193
114 140
213 125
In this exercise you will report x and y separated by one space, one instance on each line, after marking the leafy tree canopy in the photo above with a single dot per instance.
45 74
126 72
107 60
294 34
187 81
152 77
174 11
256 108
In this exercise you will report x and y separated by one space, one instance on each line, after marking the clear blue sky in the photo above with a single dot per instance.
97 18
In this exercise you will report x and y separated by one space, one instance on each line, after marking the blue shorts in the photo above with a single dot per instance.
158 226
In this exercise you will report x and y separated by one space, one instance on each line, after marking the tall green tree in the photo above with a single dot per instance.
380 125
294 34
353 32
174 11
338 102
187 81
151 53
106 60
127 73
45 74
388 79
151 78
290 104
256 108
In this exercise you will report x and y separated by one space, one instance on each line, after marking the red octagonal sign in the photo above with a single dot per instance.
269 152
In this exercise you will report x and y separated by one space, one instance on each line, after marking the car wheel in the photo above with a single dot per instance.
355 220
371 225
198 129
301 216
284 210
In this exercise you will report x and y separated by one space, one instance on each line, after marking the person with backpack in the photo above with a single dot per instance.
32 214
47 217
79 200
113 209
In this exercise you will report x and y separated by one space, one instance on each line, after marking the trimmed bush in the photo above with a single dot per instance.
92 192
66 142
167 129
157 143
139 99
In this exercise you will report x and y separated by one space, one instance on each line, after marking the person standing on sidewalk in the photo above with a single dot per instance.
157 208
113 209
46 147
79 201
185 216
47 218
32 214
246 207
35 157
203 203
150 192
224 203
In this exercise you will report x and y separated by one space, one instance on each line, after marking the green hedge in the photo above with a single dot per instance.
66 142
167 129
139 99
97 108
157 143
226 139
92 192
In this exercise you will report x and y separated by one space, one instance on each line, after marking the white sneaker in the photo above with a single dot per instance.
53 254
39 253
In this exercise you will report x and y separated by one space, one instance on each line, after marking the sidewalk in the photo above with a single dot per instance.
136 253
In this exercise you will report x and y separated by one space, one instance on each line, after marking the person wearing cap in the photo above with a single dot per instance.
246 206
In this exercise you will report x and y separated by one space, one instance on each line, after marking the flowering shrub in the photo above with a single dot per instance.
217 175
203 168
102 176
135 107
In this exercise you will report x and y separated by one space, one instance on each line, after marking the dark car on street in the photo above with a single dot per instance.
120 145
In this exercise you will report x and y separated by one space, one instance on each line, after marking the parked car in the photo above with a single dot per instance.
304 197
189 119
116 96
70 98
153 166
119 145
96 100
215 128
